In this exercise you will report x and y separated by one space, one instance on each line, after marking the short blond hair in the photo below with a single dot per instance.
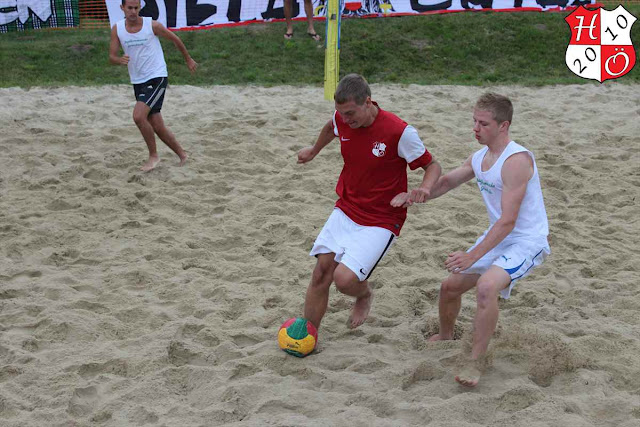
352 87
500 106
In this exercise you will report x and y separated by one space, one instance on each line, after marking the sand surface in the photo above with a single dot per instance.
155 299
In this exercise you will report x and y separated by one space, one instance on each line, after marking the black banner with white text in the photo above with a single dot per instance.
185 14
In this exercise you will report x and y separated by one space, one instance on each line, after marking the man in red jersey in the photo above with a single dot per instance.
376 147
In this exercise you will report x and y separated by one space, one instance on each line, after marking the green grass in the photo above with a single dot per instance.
477 48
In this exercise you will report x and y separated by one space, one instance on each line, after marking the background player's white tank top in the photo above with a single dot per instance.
146 59
532 219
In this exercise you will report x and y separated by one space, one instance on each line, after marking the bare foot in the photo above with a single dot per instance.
438 337
150 164
469 376
183 160
360 311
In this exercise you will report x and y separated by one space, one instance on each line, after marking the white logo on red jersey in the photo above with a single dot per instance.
379 149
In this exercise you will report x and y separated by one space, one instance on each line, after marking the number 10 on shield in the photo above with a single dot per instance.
600 47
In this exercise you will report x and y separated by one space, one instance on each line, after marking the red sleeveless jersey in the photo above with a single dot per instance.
375 169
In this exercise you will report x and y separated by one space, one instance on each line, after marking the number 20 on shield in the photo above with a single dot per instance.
600 47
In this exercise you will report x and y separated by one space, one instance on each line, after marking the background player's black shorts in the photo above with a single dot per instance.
152 93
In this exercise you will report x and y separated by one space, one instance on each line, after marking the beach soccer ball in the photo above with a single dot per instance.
297 336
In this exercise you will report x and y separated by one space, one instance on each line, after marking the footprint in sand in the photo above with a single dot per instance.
62 205
83 401
116 367
425 371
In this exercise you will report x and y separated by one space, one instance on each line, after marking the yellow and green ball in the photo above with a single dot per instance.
298 337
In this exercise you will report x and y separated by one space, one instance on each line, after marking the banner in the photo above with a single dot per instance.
332 48
186 14
20 15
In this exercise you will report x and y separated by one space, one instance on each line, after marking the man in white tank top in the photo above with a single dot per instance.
514 243
144 58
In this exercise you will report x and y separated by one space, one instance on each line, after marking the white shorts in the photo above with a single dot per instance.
359 248
515 256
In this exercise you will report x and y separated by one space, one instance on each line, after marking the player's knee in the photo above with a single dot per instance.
344 279
155 121
486 292
139 117
449 288
322 275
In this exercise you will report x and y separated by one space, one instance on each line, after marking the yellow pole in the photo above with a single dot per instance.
332 49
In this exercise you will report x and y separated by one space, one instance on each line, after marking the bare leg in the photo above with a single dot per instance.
317 298
489 285
449 302
288 11
167 136
140 117
349 284
308 10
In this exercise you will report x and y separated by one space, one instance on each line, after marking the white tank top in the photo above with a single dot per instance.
532 220
146 59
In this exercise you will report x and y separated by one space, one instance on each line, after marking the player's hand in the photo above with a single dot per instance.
192 65
124 59
419 195
306 155
402 200
458 261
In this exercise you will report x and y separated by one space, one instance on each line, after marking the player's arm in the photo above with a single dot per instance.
114 49
326 136
411 148
432 172
516 172
161 31
452 179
